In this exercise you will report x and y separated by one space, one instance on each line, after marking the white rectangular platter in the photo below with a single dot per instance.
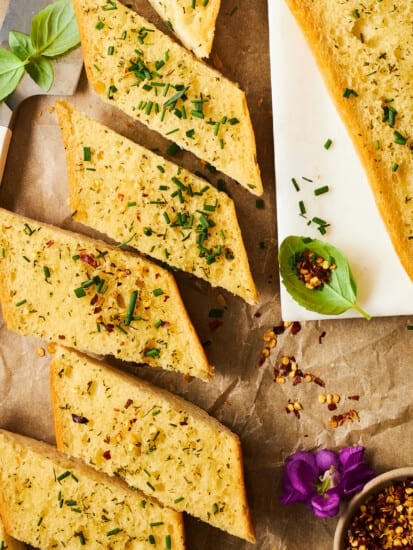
304 120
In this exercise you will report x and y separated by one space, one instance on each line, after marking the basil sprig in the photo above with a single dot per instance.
53 32
335 296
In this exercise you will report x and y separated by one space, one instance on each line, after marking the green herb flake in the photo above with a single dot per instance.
321 190
168 542
87 154
157 292
328 144
113 532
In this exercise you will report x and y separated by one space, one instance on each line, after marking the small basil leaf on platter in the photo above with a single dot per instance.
11 72
20 44
54 29
327 286
41 71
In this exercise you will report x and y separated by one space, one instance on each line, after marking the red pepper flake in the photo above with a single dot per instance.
128 403
89 259
62 337
49 244
215 324
295 328
121 196
106 455
354 397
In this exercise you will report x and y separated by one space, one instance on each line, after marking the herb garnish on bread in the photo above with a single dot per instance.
66 287
156 441
364 51
49 500
192 22
134 66
162 210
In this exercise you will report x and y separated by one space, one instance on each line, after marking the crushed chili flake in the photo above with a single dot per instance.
295 328
107 455
340 419
313 270
385 520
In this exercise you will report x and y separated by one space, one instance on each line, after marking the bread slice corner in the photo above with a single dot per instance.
49 500
193 23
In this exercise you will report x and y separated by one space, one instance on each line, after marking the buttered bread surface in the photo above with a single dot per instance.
364 51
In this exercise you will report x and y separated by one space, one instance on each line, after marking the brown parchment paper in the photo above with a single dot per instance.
371 360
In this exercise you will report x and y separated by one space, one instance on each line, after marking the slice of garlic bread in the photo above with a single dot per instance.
66 287
157 441
131 194
49 500
134 66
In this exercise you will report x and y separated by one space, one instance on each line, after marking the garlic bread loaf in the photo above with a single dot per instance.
66 287
137 68
161 209
158 442
364 51
193 23
7 542
49 500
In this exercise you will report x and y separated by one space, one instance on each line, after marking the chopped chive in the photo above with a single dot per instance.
153 352
178 500
377 144
87 154
321 190
259 203
21 303
395 167
158 324
151 539
348 92
111 50
328 144
399 139
156 523
295 184
190 133
113 532
80 292
131 307
168 543
150 486
63 476
46 272
157 292
216 313
123 36
39 522
131 203
100 25
28 229
82 538
302 208
172 149
160 168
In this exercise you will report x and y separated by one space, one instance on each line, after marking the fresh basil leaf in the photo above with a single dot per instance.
41 71
11 72
335 296
20 44
54 29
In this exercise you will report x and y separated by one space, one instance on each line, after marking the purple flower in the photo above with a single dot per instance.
322 479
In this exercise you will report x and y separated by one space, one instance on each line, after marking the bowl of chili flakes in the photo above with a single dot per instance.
380 516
